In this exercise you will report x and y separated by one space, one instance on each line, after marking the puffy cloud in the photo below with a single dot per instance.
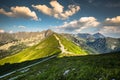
2 31
56 6
79 25
21 12
112 21
57 10
111 26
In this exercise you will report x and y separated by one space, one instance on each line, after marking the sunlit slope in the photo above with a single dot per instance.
49 46
45 48
71 47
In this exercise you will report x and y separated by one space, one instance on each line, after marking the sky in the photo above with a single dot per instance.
68 16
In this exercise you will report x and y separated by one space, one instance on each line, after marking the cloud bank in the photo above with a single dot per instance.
115 21
111 26
57 10
79 25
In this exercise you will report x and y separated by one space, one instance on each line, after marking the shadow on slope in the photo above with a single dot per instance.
95 67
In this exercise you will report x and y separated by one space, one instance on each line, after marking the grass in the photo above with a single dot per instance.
90 67
71 47
47 47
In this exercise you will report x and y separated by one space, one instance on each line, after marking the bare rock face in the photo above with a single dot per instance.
99 42
28 38
48 32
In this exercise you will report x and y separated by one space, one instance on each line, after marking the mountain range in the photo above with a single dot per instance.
101 43
25 46
51 43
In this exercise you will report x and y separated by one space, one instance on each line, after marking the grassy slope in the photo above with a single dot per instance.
71 47
94 67
45 48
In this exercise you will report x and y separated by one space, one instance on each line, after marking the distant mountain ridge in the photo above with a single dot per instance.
100 43
89 36
93 44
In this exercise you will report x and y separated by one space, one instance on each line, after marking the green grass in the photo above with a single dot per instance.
12 50
47 47
71 47
90 67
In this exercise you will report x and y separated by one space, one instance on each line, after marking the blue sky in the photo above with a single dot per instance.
72 16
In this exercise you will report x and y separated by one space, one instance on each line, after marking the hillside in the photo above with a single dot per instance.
80 42
8 41
6 38
71 47
48 46
90 67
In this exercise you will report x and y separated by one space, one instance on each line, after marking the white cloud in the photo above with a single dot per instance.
57 10
111 26
11 31
2 31
22 27
115 21
21 12
79 25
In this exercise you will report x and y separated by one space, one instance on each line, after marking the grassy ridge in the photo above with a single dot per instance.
90 67
45 48
71 47
104 67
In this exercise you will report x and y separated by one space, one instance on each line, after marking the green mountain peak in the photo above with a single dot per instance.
52 44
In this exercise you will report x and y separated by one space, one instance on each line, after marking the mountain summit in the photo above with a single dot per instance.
98 35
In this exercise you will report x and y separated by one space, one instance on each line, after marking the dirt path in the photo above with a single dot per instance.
62 48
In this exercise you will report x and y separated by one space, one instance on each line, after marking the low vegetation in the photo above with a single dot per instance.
70 46
45 48
90 67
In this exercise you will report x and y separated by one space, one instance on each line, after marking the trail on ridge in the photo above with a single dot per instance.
62 48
